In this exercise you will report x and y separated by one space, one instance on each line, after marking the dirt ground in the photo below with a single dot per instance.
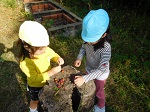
12 87
9 24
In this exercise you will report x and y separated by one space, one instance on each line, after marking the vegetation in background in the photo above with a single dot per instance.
127 88
47 23
27 15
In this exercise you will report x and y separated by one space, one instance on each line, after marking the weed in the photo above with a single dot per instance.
48 23
27 15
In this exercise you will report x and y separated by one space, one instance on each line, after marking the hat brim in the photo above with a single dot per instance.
89 38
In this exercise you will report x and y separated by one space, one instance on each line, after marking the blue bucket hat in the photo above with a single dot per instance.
94 25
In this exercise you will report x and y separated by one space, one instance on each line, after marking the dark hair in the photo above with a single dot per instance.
100 43
23 52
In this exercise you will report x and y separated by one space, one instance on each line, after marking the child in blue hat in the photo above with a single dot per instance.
97 49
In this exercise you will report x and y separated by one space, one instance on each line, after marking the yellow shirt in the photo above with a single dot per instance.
36 69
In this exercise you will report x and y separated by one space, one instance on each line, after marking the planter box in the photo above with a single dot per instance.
60 24
28 1
59 18
65 23
61 21
40 6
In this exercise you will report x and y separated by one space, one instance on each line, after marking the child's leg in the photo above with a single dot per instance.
100 92
33 92
33 105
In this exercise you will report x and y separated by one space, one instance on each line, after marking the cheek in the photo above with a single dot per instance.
92 43
41 50
36 52
89 43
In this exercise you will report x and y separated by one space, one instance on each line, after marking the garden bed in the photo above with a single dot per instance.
56 19
29 1
59 23
40 6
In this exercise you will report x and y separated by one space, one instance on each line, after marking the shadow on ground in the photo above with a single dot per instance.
12 85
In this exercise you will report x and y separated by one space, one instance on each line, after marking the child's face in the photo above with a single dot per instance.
92 43
39 50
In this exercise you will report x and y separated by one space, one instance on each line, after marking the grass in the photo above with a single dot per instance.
127 88
130 63
9 3
12 86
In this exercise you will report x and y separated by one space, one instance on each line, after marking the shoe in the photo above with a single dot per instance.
33 110
97 109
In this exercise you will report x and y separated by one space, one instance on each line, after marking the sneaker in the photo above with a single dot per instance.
27 88
33 110
97 109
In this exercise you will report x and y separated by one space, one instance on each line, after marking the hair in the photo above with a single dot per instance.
101 41
25 53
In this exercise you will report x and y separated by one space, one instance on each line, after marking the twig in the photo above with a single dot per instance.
57 92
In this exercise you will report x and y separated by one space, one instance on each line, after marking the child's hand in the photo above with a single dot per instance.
77 63
79 80
60 61
54 70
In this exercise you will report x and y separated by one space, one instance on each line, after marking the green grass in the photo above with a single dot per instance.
9 3
130 63
127 88
66 47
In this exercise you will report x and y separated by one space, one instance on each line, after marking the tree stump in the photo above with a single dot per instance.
61 94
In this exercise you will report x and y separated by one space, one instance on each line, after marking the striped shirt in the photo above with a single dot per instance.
97 62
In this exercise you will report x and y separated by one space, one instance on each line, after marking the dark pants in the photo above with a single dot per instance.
33 92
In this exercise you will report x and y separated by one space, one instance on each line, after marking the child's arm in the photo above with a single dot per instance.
77 63
54 71
60 61
79 80
103 67
55 57
30 70
81 52
100 71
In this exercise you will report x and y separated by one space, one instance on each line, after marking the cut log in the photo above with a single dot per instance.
63 96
